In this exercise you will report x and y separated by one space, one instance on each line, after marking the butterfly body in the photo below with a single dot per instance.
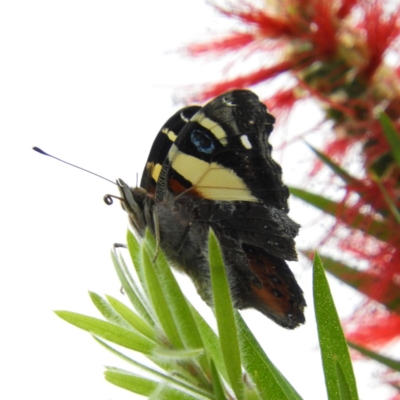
211 167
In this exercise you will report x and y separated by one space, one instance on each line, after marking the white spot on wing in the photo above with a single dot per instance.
246 142
228 103
182 115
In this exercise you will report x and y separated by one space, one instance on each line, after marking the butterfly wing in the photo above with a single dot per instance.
279 296
162 145
222 155
218 173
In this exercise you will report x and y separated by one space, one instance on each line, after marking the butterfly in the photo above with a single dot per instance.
211 167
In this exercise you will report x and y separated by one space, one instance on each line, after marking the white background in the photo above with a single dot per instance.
92 82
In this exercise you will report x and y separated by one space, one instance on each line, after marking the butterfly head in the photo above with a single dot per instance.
134 201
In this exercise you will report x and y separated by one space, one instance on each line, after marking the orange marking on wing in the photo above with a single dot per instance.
178 189
175 186
277 293
271 294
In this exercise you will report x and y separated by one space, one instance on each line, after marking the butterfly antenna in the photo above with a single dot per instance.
72 165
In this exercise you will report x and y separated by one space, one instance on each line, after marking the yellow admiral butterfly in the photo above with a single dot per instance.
211 167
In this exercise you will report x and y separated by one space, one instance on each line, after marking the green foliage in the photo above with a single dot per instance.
339 376
196 362
362 281
379 228
392 136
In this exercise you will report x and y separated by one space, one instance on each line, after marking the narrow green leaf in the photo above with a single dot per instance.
130 381
251 394
331 338
145 386
160 303
179 354
177 303
131 290
159 375
108 331
132 318
337 169
378 229
225 317
363 281
344 390
356 183
389 362
392 207
392 136
211 342
172 310
135 251
157 394
219 393
107 311
270 383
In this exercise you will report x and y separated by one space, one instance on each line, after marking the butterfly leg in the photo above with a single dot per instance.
184 236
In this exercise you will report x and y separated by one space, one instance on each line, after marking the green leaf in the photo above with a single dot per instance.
225 317
132 318
334 350
135 251
130 381
157 394
172 308
267 378
389 362
392 207
108 331
216 382
178 354
378 229
392 136
339 171
107 311
160 303
145 386
159 375
364 282
211 342
344 390
131 289
177 303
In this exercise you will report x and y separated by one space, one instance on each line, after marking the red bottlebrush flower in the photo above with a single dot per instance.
380 281
381 30
282 101
245 81
346 7
229 43
267 24
335 53
373 327
323 32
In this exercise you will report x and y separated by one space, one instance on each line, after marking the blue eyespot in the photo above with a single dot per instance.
203 143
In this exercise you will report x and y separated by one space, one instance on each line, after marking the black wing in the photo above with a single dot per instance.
162 144
223 154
